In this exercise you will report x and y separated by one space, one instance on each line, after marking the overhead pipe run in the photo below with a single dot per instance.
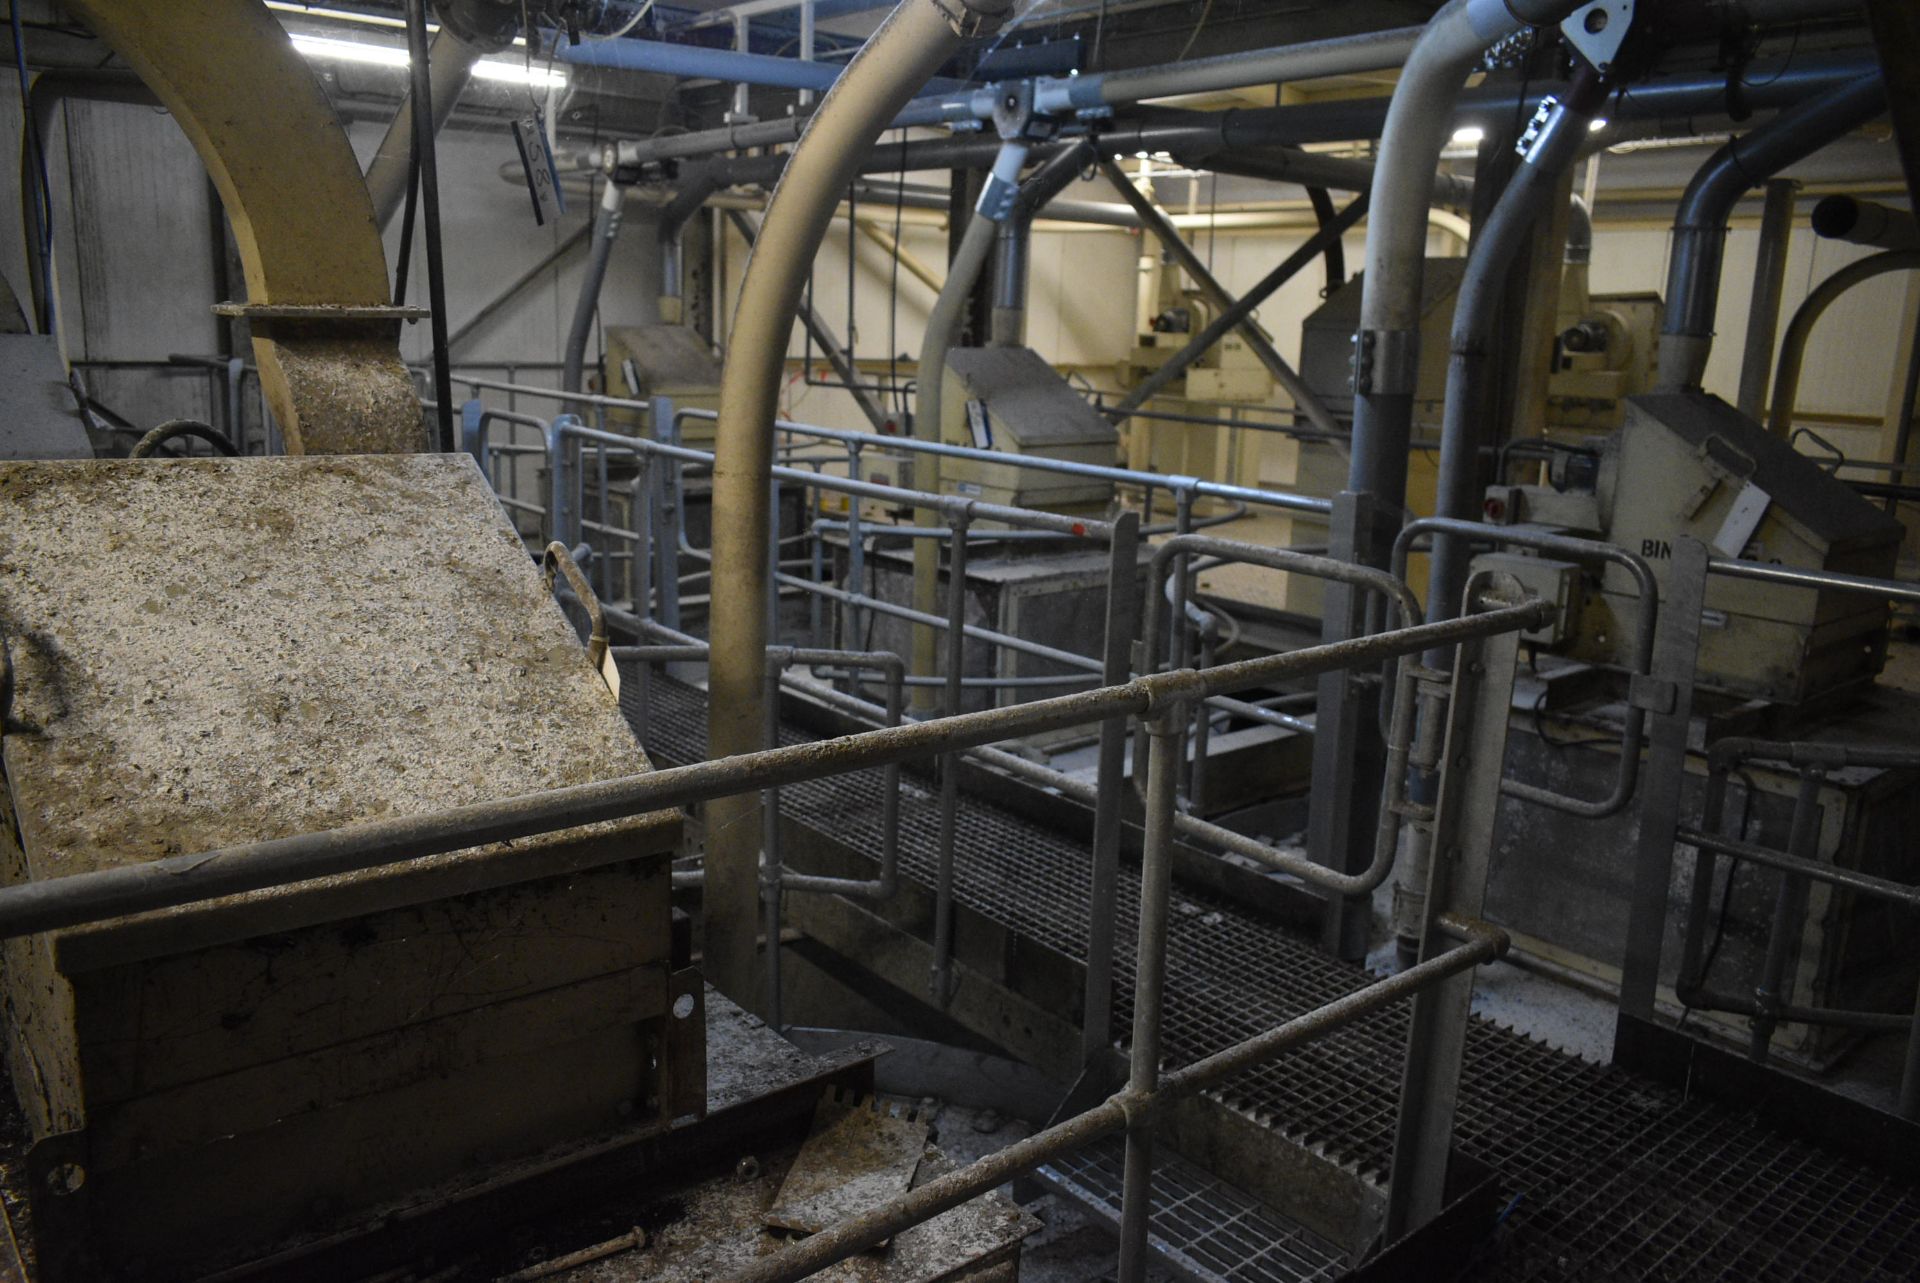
1865 222
910 44
1674 100
1700 225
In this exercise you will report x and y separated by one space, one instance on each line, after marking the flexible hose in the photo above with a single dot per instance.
174 429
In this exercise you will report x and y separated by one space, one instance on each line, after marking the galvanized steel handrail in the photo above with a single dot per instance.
82 898
1036 463
1633 731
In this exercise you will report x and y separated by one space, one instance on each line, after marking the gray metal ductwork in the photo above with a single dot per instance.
1016 237
606 230
1700 225
451 63
1865 222
901 56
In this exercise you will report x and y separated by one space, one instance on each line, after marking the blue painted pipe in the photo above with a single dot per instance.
698 61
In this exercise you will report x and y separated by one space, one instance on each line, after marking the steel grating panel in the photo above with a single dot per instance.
1612 1177
1202 1227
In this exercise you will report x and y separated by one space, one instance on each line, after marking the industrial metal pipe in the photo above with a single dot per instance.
1865 222
703 62
449 67
1700 225
606 230
914 40
1793 345
1016 238
1676 98
670 226
976 243
1476 309
1418 125
1763 310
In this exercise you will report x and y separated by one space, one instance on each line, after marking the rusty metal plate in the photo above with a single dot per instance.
860 1154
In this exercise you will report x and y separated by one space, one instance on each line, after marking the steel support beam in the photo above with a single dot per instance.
1257 340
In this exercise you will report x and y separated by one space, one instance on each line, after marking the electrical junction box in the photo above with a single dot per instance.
1010 400
212 652
1558 582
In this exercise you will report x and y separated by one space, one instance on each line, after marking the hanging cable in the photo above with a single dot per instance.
430 197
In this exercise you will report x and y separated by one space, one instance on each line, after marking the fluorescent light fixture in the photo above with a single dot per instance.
328 49
1468 135
519 73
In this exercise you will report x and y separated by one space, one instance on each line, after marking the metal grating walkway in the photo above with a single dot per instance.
1613 1177
1200 1226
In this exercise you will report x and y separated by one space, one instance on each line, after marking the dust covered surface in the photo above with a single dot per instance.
210 652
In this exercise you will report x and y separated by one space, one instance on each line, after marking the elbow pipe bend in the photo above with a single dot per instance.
1418 124
1700 223
1793 341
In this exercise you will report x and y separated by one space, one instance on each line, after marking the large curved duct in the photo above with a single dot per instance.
1700 224
897 59
325 335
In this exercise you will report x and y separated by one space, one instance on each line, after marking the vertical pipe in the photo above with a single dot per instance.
806 45
856 554
896 60
1123 578
451 60
1700 223
1150 975
1769 278
943 322
770 863
950 763
742 41
1789 908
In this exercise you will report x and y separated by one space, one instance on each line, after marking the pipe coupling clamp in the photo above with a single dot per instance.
970 18
1386 362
